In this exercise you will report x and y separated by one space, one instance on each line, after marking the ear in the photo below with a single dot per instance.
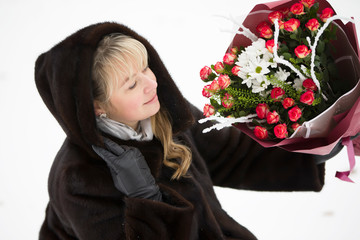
98 108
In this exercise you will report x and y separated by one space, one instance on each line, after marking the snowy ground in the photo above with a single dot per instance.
186 34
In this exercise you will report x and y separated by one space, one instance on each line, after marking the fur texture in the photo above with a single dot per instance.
84 203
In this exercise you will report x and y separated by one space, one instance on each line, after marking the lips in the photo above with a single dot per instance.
153 99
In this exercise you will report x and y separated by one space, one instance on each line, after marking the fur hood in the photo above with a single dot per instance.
63 79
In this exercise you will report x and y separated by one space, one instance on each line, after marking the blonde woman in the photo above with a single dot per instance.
135 163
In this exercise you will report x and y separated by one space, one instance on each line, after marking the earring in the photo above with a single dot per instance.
103 115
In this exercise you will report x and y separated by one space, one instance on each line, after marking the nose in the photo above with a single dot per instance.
150 83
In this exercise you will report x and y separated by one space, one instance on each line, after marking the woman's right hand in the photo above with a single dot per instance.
129 170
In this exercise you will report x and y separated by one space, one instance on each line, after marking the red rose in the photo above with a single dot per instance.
205 72
313 24
280 131
224 81
297 9
292 24
302 51
229 58
295 126
288 102
307 97
227 101
326 13
214 86
219 67
262 110
272 117
260 132
264 30
270 45
309 84
208 110
277 93
294 114
235 70
275 15
206 92
308 3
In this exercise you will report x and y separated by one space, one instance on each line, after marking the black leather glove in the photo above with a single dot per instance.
129 170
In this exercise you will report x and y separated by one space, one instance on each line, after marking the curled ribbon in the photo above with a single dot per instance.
351 154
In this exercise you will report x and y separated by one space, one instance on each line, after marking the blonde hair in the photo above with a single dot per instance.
120 54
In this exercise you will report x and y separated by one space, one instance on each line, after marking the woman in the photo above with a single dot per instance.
135 163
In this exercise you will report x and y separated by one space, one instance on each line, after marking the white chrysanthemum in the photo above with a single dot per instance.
260 87
255 62
298 84
282 75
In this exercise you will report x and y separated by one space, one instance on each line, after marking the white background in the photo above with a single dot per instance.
187 36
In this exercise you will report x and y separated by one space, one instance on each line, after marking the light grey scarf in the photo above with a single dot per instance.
124 132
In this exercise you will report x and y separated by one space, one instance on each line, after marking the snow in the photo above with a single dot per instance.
187 36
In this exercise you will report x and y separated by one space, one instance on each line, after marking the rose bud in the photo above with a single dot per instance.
302 51
208 110
309 84
205 72
206 92
280 131
281 24
214 86
326 13
270 45
235 70
272 117
224 81
288 102
219 67
308 3
307 97
277 93
313 24
292 24
294 114
262 110
295 126
285 12
234 50
227 101
264 30
275 15
260 132
297 9
229 58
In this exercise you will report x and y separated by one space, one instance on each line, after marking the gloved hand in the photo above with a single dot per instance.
129 170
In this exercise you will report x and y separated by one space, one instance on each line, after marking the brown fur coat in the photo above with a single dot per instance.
84 203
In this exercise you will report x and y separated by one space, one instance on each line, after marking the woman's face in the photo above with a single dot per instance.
134 99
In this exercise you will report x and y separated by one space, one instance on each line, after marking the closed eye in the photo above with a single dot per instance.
133 85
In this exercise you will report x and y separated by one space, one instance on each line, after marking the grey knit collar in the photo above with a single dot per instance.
124 132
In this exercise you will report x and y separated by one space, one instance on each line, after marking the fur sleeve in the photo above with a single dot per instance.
235 160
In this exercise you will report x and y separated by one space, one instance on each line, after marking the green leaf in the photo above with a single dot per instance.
287 56
320 47
294 36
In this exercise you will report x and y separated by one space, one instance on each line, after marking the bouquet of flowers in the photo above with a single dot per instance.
290 78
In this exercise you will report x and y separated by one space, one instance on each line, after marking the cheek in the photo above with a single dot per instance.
128 106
